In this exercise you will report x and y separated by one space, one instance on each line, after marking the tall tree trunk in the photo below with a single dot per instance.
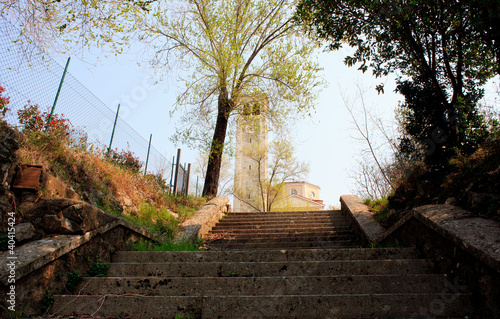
217 148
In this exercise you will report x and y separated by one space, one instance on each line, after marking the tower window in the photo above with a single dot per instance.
249 167
293 192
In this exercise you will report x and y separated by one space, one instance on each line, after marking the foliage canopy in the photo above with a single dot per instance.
232 49
438 48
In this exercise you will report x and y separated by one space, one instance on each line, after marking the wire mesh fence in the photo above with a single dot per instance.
30 76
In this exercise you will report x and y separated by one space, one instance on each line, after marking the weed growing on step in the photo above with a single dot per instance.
231 274
74 278
383 212
19 315
168 245
98 269
183 316
389 245
4 239
47 302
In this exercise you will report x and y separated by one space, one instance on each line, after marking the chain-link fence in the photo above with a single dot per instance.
30 76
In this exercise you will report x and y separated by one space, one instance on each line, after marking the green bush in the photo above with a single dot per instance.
98 269
74 278
168 245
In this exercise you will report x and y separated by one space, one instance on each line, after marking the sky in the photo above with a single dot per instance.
326 140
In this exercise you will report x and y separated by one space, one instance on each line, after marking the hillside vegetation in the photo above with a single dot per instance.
111 181
469 181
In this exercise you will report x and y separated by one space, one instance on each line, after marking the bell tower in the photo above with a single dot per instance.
251 163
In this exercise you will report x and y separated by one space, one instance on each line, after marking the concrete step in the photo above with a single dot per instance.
270 306
302 221
274 229
276 244
265 256
295 213
256 235
249 237
325 214
280 268
291 285
303 226
275 220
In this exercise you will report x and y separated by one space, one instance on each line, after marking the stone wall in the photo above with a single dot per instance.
203 221
42 266
361 218
9 143
459 244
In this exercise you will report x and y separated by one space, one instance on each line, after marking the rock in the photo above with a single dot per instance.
479 200
66 216
176 216
4 204
58 224
451 201
9 143
127 203
53 187
24 232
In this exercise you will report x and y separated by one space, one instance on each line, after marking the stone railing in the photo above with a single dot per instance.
69 240
461 245
206 218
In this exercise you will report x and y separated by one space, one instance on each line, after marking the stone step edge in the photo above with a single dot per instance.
257 239
203 305
274 262
283 254
424 275
284 243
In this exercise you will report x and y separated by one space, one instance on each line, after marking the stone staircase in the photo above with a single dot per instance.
325 229
273 265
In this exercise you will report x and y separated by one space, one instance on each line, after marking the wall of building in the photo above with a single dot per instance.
303 189
251 163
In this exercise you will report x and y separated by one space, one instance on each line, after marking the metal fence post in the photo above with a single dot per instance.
196 194
147 158
171 176
114 126
187 179
177 170
57 95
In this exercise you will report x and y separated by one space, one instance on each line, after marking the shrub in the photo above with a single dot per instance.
169 245
34 121
74 278
47 302
98 269
3 103
125 159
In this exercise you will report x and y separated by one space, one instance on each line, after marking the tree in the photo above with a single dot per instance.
267 185
485 18
434 43
64 24
225 177
234 49
425 129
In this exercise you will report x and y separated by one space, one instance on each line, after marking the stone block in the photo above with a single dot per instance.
24 232
204 220
52 187
66 216
363 222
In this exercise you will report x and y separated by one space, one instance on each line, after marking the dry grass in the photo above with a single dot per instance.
112 188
